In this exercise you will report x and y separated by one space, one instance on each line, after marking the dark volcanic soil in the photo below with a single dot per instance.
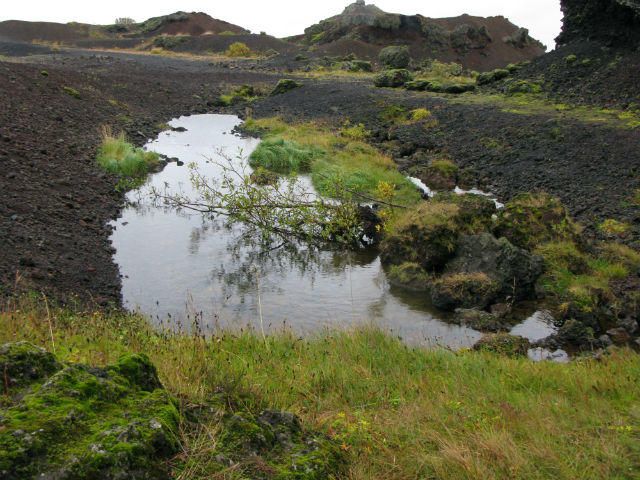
57 203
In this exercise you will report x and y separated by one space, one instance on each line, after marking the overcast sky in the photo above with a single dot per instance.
285 17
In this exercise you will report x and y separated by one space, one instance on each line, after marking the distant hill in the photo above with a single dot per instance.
179 23
475 42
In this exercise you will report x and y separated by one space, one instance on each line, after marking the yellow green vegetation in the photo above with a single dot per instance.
243 93
72 92
614 228
531 103
396 412
238 49
336 161
397 115
116 155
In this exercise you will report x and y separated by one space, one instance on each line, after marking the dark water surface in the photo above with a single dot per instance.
178 266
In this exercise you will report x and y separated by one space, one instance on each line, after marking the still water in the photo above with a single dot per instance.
178 266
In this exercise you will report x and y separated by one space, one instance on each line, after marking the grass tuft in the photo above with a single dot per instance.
116 155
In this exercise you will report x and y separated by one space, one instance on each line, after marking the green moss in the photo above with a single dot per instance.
244 93
71 92
463 290
503 344
410 276
355 132
284 86
90 423
523 87
534 218
426 235
571 59
22 363
614 228
284 156
393 78
493 76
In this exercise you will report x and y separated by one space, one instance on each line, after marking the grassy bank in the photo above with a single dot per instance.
336 159
399 413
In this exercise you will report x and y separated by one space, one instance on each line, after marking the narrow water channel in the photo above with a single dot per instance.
179 267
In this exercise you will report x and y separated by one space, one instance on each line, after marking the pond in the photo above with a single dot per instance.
182 269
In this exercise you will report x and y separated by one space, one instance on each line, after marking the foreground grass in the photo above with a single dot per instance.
340 160
400 413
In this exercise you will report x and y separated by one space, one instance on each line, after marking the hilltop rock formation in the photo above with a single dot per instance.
475 42
616 22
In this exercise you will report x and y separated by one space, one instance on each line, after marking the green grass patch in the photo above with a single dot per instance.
399 413
116 155
344 162
284 156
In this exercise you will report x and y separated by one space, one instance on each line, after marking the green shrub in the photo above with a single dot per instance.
169 42
118 156
238 49
571 59
523 86
614 228
262 176
355 132
393 78
244 93
395 57
284 156
359 66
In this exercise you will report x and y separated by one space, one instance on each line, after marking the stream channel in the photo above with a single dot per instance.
181 268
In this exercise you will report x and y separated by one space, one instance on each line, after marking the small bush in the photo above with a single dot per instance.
393 78
244 93
238 50
571 59
420 114
118 156
169 42
395 57
523 86
283 156
262 176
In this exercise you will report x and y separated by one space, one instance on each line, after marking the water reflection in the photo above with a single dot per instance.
179 265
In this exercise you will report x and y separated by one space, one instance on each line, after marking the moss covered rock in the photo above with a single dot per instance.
393 78
426 235
78 422
23 363
284 86
531 219
410 276
463 290
395 56
503 344
493 76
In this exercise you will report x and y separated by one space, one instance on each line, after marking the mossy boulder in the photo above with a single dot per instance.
417 85
458 88
426 235
23 363
78 422
503 344
395 57
492 77
513 270
480 320
475 211
440 175
410 276
266 445
284 86
463 290
532 219
358 66
393 78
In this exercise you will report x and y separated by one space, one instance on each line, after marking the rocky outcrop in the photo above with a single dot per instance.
615 22
475 42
